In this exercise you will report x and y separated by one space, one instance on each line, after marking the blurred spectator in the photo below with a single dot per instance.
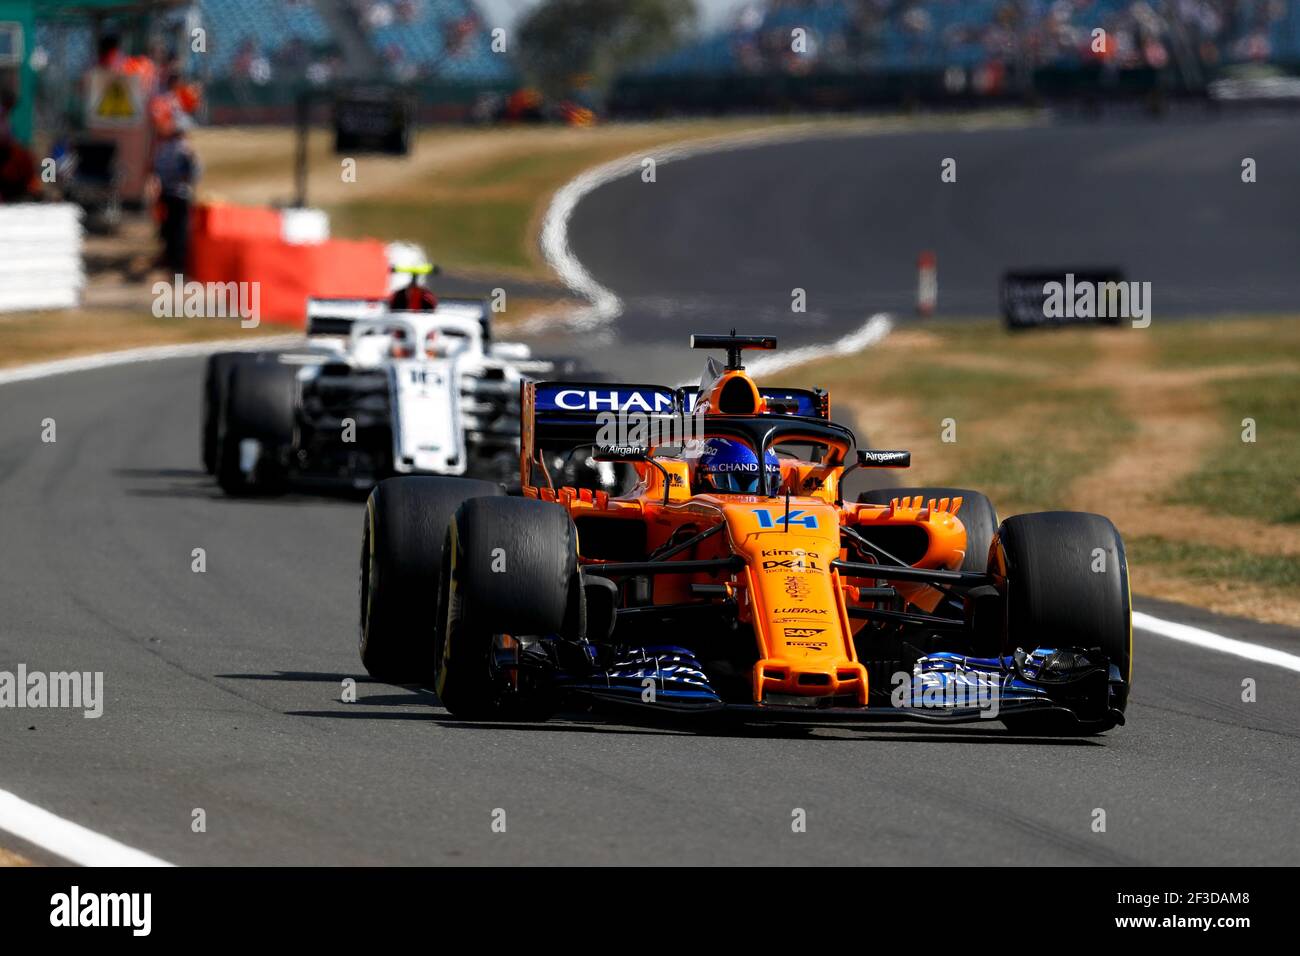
17 165
988 37
177 169
110 52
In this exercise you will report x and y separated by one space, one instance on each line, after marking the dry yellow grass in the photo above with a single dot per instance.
9 858
42 336
1121 422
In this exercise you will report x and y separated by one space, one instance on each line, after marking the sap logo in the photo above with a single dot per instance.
767 519
590 400
801 610
792 564
806 632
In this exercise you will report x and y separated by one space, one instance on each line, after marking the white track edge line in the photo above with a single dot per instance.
604 305
149 353
65 839
870 333
1188 634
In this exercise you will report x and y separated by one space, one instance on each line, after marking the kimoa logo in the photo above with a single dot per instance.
74 908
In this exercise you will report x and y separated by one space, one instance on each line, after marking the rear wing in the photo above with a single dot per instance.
597 413
326 316
335 316
469 308
803 402
576 413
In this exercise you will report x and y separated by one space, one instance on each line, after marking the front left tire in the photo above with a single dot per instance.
402 542
1066 582
509 574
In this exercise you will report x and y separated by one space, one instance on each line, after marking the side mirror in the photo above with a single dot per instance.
623 453
871 458
631 453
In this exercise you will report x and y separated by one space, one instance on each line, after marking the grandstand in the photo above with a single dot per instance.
858 52
430 38
894 35
265 42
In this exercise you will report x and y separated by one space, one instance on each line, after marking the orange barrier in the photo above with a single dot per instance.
238 244
222 220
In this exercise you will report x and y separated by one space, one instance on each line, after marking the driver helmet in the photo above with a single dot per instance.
731 468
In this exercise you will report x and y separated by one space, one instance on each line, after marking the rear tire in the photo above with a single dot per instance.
977 515
216 381
1066 579
401 567
261 403
510 572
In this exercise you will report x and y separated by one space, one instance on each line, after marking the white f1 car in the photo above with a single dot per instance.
371 393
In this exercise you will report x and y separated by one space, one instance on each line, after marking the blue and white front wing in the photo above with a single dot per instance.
942 687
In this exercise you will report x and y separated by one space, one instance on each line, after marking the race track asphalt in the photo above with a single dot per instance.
223 688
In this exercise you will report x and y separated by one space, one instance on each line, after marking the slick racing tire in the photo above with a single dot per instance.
216 380
510 573
261 403
976 514
1066 580
401 566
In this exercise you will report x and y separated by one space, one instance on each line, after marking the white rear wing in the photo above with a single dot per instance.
334 317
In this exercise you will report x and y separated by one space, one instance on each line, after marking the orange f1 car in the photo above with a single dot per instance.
728 575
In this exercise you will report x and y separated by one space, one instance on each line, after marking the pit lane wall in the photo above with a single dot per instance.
288 253
41 260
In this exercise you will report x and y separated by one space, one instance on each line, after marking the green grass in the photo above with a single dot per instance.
473 217
1228 340
1199 562
1068 434
1024 432
1254 480
471 233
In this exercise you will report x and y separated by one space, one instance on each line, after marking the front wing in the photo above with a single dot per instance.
942 688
